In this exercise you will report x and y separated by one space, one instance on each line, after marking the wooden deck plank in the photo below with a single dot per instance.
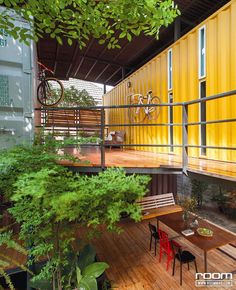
132 266
143 159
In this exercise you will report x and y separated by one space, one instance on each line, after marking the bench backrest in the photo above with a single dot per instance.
156 201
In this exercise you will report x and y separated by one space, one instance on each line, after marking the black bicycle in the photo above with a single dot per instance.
50 90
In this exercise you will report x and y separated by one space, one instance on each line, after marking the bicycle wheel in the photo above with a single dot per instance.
50 92
136 114
154 112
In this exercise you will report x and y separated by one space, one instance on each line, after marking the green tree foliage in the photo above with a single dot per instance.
26 159
80 19
52 204
75 98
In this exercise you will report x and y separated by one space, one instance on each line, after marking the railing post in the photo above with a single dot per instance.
185 138
102 138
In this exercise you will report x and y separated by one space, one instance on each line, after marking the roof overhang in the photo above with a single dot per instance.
98 64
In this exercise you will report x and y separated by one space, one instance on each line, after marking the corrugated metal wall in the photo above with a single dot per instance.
220 77
17 90
163 183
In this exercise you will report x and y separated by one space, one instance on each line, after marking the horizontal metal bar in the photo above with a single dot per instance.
172 146
151 145
152 170
212 122
210 98
138 170
143 145
196 101
211 147
109 107
142 124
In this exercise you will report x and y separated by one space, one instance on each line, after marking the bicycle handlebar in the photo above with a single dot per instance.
46 68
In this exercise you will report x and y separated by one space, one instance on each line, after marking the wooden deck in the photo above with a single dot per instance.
134 267
143 159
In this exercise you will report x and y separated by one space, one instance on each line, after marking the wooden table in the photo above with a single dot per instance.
220 237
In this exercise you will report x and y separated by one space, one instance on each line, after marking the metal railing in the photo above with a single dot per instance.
185 124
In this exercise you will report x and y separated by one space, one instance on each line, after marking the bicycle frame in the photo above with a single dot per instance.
43 70
140 102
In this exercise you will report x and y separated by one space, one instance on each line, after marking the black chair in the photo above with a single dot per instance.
153 235
184 257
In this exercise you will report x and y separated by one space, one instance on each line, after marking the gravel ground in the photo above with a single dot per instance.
215 216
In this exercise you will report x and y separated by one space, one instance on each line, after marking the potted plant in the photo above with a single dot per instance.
198 188
226 201
189 204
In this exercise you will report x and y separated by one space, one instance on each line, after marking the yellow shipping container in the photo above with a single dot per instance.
188 80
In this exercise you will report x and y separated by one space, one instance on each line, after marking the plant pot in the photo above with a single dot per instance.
87 149
70 149
185 216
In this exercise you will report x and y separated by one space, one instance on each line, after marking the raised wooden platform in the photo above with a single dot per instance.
150 160
134 267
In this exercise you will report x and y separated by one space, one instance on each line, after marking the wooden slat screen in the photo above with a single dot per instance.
64 122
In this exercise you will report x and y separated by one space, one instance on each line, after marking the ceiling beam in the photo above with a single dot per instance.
95 62
106 67
100 55
101 73
111 76
56 57
187 21
82 60
72 60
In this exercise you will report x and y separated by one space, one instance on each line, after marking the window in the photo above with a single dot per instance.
169 68
202 52
203 117
171 120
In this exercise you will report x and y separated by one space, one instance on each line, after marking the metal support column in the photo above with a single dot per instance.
185 138
123 73
177 29
104 88
102 138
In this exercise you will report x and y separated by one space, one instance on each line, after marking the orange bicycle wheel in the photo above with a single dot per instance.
154 112
136 114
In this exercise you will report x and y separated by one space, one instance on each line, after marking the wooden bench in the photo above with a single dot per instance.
157 205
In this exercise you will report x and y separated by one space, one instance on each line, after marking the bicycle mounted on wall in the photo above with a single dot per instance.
50 90
139 114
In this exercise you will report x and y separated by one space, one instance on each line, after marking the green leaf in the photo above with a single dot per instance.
88 283
42 284
101 41
123 34
129 37
58 38
95 270
78 275
69 40
86 257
